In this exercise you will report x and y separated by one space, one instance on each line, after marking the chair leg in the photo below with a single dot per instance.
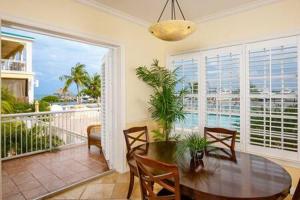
131 183
89 145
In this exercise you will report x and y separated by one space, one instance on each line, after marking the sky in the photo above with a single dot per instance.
53 57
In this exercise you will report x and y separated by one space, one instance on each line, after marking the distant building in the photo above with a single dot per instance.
16 65
65 95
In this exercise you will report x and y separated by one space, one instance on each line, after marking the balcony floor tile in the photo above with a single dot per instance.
33 176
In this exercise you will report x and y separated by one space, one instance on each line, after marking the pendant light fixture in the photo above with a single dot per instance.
173 29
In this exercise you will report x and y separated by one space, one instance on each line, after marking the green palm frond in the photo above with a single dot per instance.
166 104
77 76
92 86
7 101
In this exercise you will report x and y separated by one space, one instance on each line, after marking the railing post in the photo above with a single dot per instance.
50 133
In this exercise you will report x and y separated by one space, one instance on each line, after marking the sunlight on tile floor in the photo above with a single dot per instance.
115 185
112 186
37 175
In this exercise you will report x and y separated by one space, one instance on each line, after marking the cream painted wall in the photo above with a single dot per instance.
140 46
277 18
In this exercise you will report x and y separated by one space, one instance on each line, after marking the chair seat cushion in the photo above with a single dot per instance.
95 136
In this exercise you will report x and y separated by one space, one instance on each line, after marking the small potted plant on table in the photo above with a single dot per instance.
195 144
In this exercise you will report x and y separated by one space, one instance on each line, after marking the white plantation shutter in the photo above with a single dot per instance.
273 97
188 69
106 106
252 88
222 87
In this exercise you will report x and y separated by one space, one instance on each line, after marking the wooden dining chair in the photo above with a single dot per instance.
220 135
134 137
296 195
167 178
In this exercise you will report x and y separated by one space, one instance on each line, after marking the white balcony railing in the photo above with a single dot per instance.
13 65
30 133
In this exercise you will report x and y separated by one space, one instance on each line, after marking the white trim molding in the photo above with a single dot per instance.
144 23
115 12
236 10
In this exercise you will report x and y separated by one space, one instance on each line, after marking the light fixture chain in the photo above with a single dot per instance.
180 10
172 10
163 11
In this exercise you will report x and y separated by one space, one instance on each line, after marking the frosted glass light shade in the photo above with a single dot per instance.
172 30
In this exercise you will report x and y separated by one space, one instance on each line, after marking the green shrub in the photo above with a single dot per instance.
16 138
44 106
50 99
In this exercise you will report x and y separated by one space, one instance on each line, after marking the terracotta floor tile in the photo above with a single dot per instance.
88 173
54 185
22 177
45 179
63 172
9 188
17 196
29 185
14 171
72 179
34 193
39 174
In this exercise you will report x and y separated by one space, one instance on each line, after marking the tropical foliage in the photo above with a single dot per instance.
24 139
86 84
77 76
50 99
166 104
7 101
92 86
9 104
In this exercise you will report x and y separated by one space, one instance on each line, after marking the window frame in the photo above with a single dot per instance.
244 91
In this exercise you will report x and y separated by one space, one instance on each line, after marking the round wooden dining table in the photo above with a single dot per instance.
222 174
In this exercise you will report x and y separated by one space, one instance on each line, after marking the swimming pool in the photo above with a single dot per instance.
227 121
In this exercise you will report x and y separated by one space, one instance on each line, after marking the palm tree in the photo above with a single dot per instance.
78 76
92 86
7 101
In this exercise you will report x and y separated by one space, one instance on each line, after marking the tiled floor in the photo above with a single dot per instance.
33 176
115 185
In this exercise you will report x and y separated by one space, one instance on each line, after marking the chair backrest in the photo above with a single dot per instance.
94 128
167 177
296 195
220 135
136 136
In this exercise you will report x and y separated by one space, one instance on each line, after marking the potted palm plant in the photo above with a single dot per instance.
166 103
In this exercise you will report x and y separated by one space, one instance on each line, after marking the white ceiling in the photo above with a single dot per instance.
149 10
